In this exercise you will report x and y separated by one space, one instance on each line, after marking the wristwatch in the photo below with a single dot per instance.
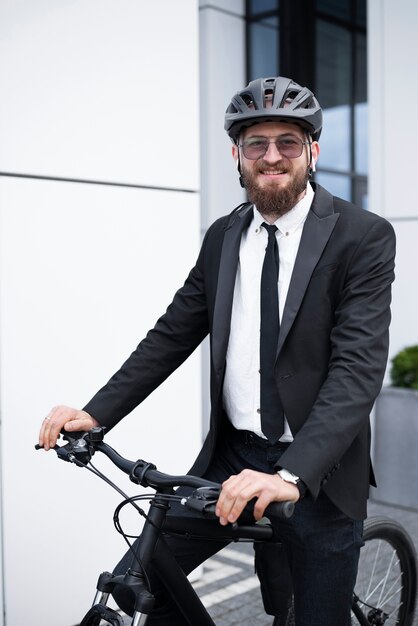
295 480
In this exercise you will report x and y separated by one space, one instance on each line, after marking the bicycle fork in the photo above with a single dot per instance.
106 583
134 577
150 547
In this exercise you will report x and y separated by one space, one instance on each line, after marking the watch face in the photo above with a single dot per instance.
288 476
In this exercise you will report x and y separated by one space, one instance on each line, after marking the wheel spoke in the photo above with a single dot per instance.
389 569
376 559
397 591
385 587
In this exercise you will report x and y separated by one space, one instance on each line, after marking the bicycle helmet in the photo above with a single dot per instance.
273 100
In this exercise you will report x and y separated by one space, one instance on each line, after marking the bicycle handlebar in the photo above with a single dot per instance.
81 447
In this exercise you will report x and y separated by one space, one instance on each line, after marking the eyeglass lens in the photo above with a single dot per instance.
256 147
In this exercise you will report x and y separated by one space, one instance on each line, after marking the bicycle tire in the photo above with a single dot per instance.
386 587
101 614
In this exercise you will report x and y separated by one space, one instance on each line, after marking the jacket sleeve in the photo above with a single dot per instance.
359 347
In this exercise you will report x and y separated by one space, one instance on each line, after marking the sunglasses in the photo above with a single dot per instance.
256 147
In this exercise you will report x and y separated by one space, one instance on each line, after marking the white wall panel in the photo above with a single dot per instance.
392 53
100 89
400 91
404 329
222 74
393 90
84 271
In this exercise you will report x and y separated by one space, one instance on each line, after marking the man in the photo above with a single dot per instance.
294 289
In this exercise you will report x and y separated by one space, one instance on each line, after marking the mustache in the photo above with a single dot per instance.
281 165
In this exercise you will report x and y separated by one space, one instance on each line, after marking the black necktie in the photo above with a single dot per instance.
272 419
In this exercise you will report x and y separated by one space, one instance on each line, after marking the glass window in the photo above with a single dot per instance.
336 8
333 70
360 81
332 61
360 107
361 197
335 138
361 151
337 184
264 48
255 7
333 64
361 9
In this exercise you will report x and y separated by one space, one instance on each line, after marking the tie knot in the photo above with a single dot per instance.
270 228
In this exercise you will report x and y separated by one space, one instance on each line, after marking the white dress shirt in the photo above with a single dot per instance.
241 391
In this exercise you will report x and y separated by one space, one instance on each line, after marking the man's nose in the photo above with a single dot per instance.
273 153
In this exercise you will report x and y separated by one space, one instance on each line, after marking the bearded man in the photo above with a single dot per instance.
294 289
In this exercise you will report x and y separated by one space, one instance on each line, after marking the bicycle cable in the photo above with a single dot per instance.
107 480
128 500
132 500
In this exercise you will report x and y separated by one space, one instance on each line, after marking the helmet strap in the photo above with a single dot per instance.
311 166
241 181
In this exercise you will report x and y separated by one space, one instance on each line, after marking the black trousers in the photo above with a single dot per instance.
320 548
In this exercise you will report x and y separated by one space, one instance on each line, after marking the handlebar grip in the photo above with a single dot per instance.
284 510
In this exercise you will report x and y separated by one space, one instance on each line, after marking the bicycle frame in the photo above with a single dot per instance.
152 548
169 571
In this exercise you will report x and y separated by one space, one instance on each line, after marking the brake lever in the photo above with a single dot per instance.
78 452
80 446
203 500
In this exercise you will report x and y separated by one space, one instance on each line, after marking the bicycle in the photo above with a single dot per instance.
386 586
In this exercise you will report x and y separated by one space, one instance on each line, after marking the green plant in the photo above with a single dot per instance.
404 372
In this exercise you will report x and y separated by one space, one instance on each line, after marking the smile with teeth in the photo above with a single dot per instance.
273 172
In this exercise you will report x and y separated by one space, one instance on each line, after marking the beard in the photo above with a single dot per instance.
271 200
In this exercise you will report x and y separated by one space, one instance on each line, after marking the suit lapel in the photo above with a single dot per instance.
239 221
317 230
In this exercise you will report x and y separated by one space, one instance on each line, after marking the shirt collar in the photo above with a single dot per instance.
293 218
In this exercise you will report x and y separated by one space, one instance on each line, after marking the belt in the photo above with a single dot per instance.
250 438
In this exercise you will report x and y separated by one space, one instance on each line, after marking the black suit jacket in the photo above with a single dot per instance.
332 349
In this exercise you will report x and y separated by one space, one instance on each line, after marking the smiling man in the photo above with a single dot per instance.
274 160
294 288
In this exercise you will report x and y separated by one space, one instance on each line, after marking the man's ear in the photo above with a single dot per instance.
315 153
235 152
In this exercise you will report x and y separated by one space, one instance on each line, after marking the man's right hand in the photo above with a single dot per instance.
65 417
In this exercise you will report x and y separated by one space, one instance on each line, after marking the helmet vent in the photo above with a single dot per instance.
248 100
292 95
268 98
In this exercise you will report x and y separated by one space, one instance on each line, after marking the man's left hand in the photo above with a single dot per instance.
249 484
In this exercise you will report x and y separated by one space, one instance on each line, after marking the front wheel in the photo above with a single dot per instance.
101 614
386 586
